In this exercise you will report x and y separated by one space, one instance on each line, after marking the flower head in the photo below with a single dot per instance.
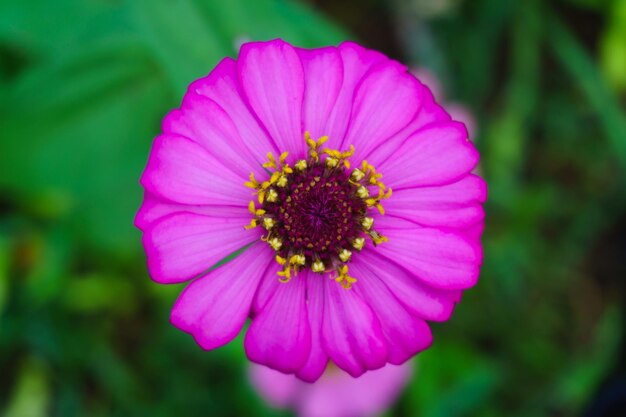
290 156
335 394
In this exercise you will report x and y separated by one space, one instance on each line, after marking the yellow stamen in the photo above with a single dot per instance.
297 260
253 183
358 243
377 237
271 163
282 181
268 223
275 243
345 255
272 195
344 279
332 162
301 165
252 225
362 192
285 274
367 223
318 266
357 175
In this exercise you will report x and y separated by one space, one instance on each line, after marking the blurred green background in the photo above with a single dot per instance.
83 87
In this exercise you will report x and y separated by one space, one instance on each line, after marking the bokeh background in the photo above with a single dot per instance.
83 87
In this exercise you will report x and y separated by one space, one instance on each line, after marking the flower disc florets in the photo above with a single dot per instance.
316 212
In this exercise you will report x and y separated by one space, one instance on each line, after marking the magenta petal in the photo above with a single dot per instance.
214 308
280 336
436 155
183 245
153 208
182 171
323 78
318 360
386 101
351 333
416 297
440 258
272 79
222 86
457 205
406 335
357 61
428 113
205 122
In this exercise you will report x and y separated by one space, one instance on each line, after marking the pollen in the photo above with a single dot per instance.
358 243
318 266
362 192
345 255
316 212
275 243
272 196
268 223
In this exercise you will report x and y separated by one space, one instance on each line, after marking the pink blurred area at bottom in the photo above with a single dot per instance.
335 394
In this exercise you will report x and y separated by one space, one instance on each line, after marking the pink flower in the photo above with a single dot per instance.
283 154
335 394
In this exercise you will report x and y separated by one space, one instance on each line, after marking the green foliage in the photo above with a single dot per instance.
84 85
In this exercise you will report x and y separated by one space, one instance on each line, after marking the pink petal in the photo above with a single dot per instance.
443 259
222 86
351 333
154 208
455 205
272 79
268 286
428 113
317 360
214 308
337 394
278 389
418 298
182 171
280 336
183 245
406 335
436 155
205 122
323 78
387 99
357 61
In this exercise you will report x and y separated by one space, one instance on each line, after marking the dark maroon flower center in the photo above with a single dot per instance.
317 214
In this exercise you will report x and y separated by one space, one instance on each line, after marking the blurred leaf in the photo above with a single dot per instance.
31 393
613 46
588 370
98 293
4 272
85 139
585 74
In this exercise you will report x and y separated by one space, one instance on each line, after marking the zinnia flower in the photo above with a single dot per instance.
335 394
289 156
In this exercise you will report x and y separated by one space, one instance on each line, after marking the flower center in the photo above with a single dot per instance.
315 213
